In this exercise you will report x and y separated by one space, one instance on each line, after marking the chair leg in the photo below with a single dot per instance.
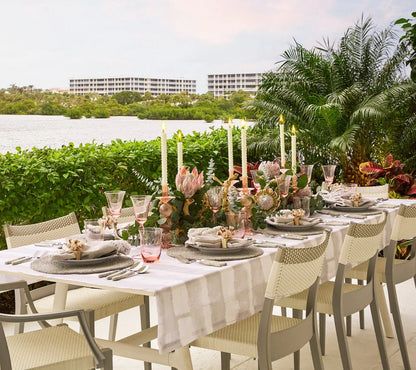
20 309
145 324
322 328
414 279
108 361
113 327
225 361
296 355
316 352
361 282
90 322
395 310
342 341
379 334
348 281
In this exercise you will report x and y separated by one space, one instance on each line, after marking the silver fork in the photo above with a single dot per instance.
110 274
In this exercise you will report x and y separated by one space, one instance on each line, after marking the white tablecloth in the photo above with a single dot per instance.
194 300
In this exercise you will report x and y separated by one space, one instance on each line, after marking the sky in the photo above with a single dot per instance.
45 43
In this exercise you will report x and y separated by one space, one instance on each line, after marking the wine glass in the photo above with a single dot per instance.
115 203
141 205
284 186
307 170
329 172
214 196
257 186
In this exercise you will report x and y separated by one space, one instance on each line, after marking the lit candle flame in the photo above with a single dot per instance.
243 123
293 130
281 120
179 136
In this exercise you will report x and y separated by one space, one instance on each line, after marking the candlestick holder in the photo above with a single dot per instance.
165 209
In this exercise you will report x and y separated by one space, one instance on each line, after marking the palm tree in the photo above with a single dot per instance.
333 96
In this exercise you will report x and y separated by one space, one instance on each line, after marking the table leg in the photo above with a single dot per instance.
59 301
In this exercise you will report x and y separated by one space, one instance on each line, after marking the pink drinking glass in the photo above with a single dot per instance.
115 202
329 172
214 196
256 185
141 204
151 244
284 186
307 170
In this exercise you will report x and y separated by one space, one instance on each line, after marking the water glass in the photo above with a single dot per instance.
237 220
284 185
307 170
150 244
329 172
214 196
256 185
115 202
303 203
94 230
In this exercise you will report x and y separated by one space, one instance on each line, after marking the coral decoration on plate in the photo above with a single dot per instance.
76 246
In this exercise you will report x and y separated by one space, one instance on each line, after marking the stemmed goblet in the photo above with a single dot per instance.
214 196
329 172
307 170
115 203
141 205
257 186
284 186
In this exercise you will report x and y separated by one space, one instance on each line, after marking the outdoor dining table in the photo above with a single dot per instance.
193 300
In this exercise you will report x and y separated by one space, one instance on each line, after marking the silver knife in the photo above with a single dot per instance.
10 262
23 260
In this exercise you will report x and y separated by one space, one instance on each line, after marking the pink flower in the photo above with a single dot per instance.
189 183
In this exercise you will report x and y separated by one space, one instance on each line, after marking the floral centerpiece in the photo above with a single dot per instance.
191 208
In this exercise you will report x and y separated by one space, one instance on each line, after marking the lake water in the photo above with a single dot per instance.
54 131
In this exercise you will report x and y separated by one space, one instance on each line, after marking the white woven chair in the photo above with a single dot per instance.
378 191
97 303
395 271
342 299
269 337
53 347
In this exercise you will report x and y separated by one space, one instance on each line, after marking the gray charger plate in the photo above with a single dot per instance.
210 250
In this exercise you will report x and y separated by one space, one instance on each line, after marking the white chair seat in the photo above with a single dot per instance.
68 350
241 338
104 303
323 300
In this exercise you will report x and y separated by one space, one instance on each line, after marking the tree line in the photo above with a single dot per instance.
183 106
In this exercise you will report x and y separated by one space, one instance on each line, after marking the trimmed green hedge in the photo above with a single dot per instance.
42 184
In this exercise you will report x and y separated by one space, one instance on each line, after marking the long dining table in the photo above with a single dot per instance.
193 300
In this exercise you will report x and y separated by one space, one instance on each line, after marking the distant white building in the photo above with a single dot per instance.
225 84
110 86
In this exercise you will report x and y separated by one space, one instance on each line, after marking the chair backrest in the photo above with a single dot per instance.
404 226
295 269
126 216
61 227
378 191
362 242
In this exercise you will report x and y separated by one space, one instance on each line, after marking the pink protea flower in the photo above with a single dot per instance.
189 182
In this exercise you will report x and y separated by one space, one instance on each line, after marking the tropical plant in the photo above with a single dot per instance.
409 39
336 97
390 172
